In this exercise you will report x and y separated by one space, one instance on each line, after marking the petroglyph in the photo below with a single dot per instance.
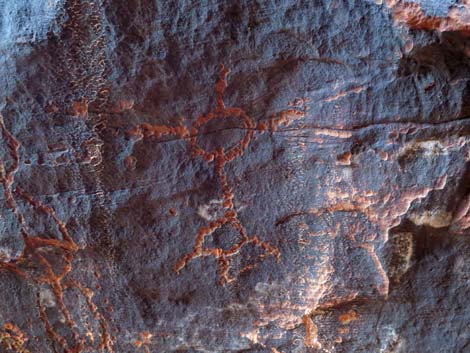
219 157
46 262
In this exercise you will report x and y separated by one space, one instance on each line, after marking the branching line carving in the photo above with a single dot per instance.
35 264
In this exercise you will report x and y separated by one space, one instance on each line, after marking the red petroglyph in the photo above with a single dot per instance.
36 266
220 157
147 130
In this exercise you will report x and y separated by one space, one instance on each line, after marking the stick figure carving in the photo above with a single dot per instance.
220 157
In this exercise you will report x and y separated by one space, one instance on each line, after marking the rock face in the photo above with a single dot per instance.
238 176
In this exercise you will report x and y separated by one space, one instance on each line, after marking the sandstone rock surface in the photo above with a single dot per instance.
235 176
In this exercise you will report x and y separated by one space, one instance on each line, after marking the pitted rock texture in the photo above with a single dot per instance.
238 176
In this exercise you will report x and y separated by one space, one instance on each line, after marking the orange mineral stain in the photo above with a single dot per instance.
80 108
144 340
122 105
311 332
348 317
344 159
12 339
456 20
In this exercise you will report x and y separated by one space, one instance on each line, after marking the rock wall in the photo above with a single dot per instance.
239 176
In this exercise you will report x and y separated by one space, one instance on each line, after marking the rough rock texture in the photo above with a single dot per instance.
235 176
